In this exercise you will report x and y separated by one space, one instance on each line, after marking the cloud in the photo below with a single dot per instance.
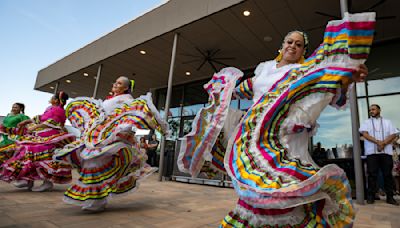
335 128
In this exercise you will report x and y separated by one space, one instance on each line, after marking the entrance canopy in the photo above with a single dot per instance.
212 34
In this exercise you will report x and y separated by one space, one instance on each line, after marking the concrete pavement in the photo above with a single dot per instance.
155 204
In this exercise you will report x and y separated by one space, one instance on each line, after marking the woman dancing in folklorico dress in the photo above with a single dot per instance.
33 159
8 145
107 156
267 157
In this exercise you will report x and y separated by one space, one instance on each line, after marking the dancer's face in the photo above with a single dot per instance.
15 109
54 101
293 48
119 87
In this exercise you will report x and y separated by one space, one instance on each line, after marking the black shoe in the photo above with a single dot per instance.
392 201
370 200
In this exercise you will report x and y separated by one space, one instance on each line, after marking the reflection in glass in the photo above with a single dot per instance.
360 88
176 97
174 112
389 107
362 109
235 104
187 126
162 113
383 86
161 99
245 104
174 128
195 93
334 128
192 110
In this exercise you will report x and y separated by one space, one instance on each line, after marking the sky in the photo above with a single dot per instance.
37 33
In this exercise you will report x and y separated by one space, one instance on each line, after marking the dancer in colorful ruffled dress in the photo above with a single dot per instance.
8 145
33 159
267 158
107 156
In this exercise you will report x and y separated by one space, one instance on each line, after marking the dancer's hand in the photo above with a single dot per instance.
23 123
360 73
31 129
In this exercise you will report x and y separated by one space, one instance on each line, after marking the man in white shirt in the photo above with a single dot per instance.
379 134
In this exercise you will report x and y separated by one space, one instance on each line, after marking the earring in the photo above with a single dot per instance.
302 59
279 57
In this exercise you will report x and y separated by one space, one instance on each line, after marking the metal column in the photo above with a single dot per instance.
96 86
367 95
56 88
167 103
355 125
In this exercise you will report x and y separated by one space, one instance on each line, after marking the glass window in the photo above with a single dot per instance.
362 109
174 124
192 110
176 97
389 107
161 94
360 88
335 128
175 112
235 104
384 86
195 94
187 126
245 104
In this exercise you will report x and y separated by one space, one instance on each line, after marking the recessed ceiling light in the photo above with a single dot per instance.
51 87
187 73
143 52
246 13
267 38
68 81
85 74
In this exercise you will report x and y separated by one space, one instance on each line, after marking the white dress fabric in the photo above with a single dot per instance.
107 157
266 75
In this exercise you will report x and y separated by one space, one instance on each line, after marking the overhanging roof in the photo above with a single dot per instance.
204 26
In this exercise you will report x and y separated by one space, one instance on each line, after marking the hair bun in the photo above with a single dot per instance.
63 97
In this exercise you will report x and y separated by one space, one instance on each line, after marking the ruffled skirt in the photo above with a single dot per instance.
6 151
111 174
33 160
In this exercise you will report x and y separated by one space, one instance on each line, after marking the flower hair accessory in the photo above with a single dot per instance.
60 97
132 85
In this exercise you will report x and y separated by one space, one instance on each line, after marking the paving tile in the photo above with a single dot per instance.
155 204
6 221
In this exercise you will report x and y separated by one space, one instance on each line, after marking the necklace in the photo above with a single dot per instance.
382 132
